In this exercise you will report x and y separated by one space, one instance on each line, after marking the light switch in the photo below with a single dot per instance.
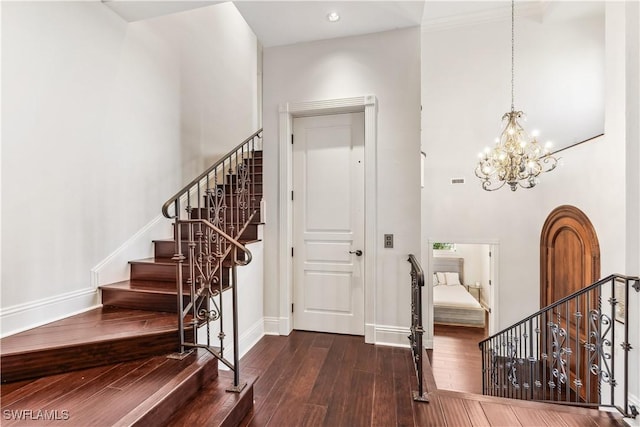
388 241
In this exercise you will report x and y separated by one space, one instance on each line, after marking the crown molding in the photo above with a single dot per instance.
535 9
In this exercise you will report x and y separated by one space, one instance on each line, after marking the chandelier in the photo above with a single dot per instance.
516 159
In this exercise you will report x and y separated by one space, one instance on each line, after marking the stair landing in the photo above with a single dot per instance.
143 392
100 336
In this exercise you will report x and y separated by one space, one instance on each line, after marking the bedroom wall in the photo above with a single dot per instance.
461 116
386 65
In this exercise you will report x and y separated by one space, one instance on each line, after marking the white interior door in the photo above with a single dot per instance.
328 223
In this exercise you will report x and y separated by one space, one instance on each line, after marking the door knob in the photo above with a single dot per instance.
357 252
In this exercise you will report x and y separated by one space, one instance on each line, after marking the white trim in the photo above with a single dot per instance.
251 336
21 317
395 336
288 111
115 267
271 325
536 10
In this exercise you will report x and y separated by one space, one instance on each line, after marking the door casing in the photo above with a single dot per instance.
369 105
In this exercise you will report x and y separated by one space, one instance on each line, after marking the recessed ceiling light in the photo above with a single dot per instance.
333 17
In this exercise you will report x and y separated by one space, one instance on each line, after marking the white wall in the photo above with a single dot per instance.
96 118
386 65
465 90
218 82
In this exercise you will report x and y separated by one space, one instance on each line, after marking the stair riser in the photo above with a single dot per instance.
254 178
165 272
229 213
38 364
142 300
166 249
250 233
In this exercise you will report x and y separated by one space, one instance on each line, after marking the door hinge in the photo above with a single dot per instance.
489 310
291 139
489 282
489 254
291 251
291 195
292 307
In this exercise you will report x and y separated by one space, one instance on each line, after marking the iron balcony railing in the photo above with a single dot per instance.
574 351
415 339
218 205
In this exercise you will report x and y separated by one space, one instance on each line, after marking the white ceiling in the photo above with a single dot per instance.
278 23
138 10
287 22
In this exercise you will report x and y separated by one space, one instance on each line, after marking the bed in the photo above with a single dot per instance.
452 304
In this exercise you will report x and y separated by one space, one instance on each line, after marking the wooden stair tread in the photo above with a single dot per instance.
141 391
95 325
211 406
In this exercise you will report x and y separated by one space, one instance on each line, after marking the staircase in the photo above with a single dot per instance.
575 351
147 357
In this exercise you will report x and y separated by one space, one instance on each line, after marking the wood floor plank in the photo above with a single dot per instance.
384 408
279 376
299 388
476 415
499 415
457 346
323 340
338 400
324 387
402 387
455 413
530 417
357 412
313 415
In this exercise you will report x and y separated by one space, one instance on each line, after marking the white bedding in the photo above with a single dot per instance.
453 296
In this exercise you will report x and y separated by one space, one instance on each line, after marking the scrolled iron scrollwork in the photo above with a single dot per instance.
559 354
598 340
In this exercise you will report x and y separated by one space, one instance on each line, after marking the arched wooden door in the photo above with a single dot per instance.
569 261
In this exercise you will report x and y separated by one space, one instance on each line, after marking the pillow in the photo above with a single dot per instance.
435 280
452 278
441 279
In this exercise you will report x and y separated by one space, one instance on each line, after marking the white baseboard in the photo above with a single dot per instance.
115 267
396 336
428 344
25 316
251 336
271 325
285 326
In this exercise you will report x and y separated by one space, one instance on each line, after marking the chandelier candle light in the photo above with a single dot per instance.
516 159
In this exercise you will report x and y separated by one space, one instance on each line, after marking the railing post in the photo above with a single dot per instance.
417 282
236 386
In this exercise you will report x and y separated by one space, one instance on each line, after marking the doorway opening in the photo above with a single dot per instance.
463 310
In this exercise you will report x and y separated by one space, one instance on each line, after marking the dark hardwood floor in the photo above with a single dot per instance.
456 359
315 379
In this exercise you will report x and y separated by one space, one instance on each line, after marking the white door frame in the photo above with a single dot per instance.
369 105
495 280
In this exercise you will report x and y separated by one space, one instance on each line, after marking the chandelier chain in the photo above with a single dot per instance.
513 52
